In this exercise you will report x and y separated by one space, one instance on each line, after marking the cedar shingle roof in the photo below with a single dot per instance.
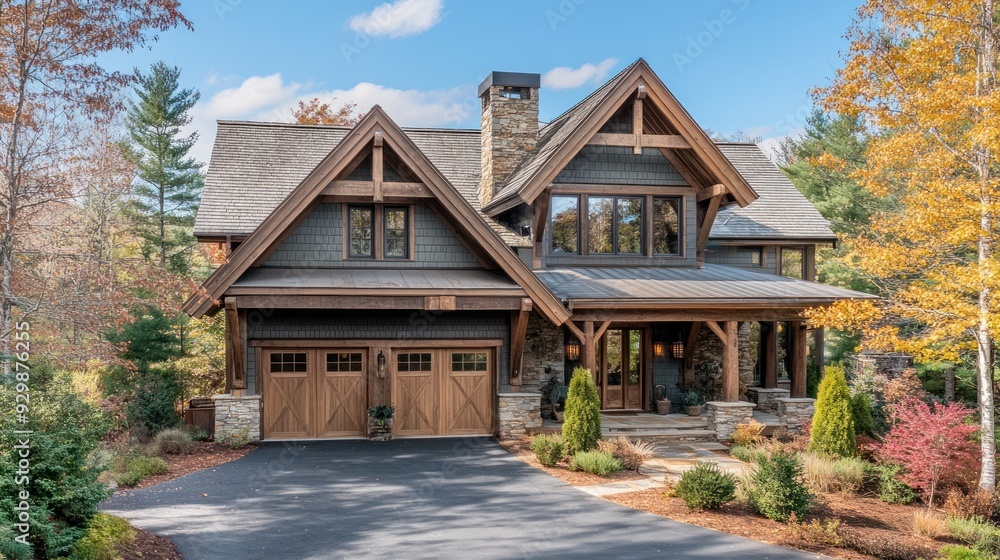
255 165
781 212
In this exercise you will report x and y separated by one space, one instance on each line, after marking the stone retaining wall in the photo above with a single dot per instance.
724 416
795 413
519 412
766 399
233 414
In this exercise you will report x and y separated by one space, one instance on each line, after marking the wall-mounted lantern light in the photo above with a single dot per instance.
381 364
658 349
677 350
573 350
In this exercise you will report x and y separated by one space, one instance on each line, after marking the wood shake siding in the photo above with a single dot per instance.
613 165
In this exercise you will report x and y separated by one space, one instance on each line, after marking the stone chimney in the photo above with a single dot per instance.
509 125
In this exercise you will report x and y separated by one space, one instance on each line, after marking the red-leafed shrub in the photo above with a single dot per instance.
932 444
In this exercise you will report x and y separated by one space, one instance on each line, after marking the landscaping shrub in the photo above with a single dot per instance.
173 442
932 444
582 419
927 523
777 490
978 503
131 467
842 474
832 424
631 454
891 489
959 552
104 535
748 434
746 454
706 487
595 462
861 413
154 405
826 533
548 448
980 535
65 432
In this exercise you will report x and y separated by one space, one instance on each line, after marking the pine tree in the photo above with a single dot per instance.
582 421
832 425
169 182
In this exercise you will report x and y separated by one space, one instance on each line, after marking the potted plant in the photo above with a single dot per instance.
663 404
380 422
693 401
557 395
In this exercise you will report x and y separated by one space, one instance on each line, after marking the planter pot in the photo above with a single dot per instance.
693 410
557 414
663 407
379 432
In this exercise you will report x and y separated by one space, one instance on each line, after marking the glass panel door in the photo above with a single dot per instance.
612 369
620 368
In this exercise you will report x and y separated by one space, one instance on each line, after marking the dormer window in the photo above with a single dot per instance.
376 231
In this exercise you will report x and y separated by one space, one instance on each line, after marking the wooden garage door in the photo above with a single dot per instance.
286 394
443 392
340 394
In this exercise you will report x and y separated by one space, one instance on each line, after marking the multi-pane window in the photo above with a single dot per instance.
468 361
288 362
396 228
344 361
615 225
413 361
793 262
565 224
361 231
666 226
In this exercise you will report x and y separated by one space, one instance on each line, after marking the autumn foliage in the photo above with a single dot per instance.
316 111
933 445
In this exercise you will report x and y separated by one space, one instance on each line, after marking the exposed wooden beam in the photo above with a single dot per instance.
819 349
236 346
601 330
379 342
705 229
719 332
717 189
377 166
672 141
797 337
518 333
538 221
431 303
589 348
637 126
731 363
575 330
692 340
770 350
366 189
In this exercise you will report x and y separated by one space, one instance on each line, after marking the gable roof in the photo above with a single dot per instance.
303 197
568 133
781 212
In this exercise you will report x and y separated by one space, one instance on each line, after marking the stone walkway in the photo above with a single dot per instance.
668 462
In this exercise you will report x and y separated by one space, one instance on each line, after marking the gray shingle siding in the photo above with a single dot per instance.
740 257
318 243
613 165
386 325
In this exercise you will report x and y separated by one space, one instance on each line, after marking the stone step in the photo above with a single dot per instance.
674 436
625 430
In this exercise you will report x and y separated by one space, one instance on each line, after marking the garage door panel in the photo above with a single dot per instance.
286 395
468 397
415 393
341 394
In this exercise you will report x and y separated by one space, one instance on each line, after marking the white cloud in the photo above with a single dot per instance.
269 98
401 18
564 77
772 146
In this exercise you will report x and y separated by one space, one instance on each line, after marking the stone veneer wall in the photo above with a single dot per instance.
509 132
235 413
519 412
766 399
543 356
724 416
708 349
796 413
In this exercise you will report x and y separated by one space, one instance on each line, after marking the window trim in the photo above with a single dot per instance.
579 228
378 232
680 226
408 236
348 249
801 249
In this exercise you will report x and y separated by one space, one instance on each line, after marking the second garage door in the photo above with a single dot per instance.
443 392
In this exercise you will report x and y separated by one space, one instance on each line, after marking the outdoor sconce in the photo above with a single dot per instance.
677 350
658 349
573 350
381 364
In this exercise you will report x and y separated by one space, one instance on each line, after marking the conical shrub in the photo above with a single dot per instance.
582 419
833 424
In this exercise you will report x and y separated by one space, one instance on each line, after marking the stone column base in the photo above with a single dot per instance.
519 412
234 414
766 398
795 413
724 416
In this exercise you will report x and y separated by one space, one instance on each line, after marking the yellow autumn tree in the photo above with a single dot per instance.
922 75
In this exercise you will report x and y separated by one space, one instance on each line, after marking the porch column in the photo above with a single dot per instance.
769 348
518 332
236 348
819 352
797 336
589 352
730 362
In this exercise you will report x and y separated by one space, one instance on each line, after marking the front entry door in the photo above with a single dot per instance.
620 368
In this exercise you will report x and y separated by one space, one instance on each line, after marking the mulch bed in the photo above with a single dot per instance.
151 547
522 449
204 455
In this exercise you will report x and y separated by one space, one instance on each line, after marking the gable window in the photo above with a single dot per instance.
666 226
361 231
615 225
396 229
374 231
566 224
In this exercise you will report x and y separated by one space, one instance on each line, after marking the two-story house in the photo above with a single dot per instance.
453 273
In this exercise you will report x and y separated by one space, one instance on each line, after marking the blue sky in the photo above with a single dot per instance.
735 64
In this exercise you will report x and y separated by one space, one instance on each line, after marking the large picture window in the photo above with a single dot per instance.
566 224
615 225
666 226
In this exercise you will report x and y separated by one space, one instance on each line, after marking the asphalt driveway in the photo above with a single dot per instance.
418 498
